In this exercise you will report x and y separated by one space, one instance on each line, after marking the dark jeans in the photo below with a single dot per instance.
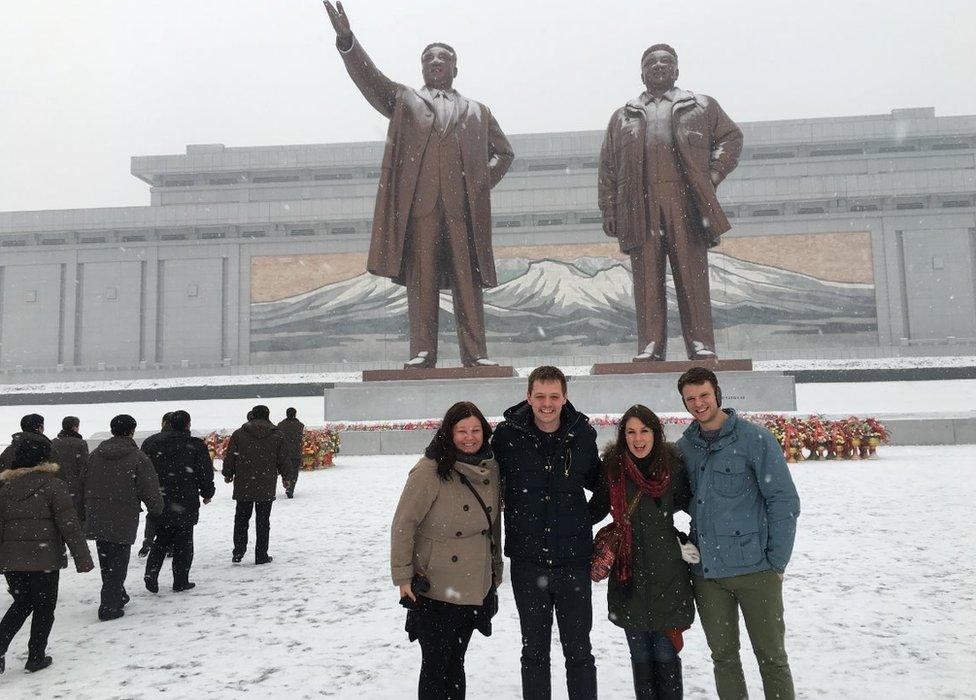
443 630
113 560
242 521
538 590
34 592
177 536
650 647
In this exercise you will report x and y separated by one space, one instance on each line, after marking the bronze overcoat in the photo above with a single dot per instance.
705 140
485 154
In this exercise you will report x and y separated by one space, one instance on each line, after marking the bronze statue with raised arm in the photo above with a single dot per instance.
663 155
432 222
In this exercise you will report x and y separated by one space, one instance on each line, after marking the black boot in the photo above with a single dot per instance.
643 681
35 665
667 678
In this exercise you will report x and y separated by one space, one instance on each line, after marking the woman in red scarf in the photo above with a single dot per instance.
650 590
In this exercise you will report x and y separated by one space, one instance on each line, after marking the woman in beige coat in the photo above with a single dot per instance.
446 547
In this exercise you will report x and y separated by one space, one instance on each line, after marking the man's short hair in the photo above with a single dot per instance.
70 423
260 411
166 417
179 420
31 422
659 47
697 375
290 413
547 373
442 45
123 425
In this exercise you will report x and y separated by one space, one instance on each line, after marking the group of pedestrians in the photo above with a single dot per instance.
727 473
54 493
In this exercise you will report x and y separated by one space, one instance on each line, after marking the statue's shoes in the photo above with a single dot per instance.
421 361
700 351
484 362
649 354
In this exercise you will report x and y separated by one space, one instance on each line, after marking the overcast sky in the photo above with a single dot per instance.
84 85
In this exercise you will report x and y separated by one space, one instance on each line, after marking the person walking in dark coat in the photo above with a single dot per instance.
31 426
642 484
149 532
547 453
256 455
37 518
293 430
118 479
71 452
186 475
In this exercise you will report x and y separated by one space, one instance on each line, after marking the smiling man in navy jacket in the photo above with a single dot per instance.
548 455
743 520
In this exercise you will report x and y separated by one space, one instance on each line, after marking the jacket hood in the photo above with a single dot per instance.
20 484
521 415
116 448
259 427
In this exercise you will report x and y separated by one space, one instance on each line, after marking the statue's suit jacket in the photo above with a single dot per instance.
705 140
485 156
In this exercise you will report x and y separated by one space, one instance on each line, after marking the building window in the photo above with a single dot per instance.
223 181
53 241
766 212
539 167
910 205
773 156
810 210
210 235
550 222
591 220
344 230
178 183
508 223
275 178
950 146
591 164
92 240
334 176
13 244
173 237
953 203
253 234
896 149
864 207
302 232
133 239
837 152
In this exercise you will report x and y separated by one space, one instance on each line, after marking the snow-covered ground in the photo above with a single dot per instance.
879 600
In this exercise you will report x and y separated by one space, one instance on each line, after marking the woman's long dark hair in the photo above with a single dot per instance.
441 448
660 454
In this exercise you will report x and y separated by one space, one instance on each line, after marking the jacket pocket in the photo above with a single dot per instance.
731 479
739 541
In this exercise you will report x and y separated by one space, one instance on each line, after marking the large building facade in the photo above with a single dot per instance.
851 237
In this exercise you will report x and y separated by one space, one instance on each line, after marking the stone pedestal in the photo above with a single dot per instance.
591 394
678 366
402 375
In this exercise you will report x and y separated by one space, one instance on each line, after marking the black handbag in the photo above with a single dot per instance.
489 606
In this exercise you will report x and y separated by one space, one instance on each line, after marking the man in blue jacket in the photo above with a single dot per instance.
743 520
548 455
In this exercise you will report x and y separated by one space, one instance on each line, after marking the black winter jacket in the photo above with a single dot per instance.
185 472
546 517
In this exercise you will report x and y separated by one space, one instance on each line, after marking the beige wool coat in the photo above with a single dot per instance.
440 531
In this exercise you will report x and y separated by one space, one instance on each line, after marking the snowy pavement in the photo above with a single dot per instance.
879 600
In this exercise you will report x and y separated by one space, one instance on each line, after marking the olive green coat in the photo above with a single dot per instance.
658 595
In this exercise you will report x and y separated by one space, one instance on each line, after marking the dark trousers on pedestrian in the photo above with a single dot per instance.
294 466
33 592
443 630
178 536
242 521
539 590
113 561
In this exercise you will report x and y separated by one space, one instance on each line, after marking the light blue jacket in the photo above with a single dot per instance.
744 505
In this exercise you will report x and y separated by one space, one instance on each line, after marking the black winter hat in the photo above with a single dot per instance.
32 449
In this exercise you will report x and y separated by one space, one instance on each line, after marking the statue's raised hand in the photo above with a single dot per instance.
340 22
